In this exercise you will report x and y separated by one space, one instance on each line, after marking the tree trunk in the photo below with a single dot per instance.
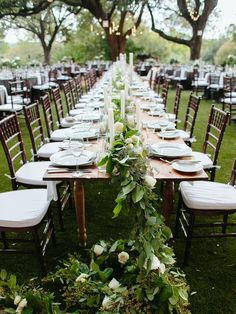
47 54
116 44
195 47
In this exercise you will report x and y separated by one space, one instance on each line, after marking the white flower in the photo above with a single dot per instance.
129 140
21 306
98 249
82 277
150 181
114 284
106 303
162 268
155 262
139 150
135 139
130 146
123 257
17 299
118 127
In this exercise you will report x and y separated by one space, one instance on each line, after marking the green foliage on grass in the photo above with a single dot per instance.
212 269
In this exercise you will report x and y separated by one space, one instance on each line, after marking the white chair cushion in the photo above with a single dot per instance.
208 195
10 108
205 160
59 135
228 95
48 149
229 100
184 135
23 208
32 173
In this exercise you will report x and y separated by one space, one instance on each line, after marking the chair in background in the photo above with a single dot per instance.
190 119
205 199
58 105
25 211
213 139
229 95
41 149
178 92
68 97
73 90
164 92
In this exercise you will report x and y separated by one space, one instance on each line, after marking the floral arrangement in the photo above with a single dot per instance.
135 275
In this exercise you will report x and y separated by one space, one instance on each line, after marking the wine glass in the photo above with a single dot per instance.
76 148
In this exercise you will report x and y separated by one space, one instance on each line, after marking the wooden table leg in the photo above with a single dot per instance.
168 198
80 211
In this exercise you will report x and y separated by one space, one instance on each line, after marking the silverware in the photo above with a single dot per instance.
186 162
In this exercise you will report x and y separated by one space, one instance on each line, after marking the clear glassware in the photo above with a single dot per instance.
76 149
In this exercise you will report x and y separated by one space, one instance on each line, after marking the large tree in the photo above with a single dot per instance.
184 21
46 26
119 19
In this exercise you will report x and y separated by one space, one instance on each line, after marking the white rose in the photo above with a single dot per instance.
118 127
106 303
82 277
17 299
114 284
98 249
162 268
150 181
135 139
128 140
155 263
21 306
123 257
130 146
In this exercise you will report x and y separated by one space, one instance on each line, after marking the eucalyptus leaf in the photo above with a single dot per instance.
128 188
137 193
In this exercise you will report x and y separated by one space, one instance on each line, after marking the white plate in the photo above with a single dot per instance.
187 167
157 126
66 159
169 134
89 116
171 150
92 133
156 113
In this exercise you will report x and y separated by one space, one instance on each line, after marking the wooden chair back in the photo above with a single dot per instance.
164 92
35 128
78 84
58 105
48 116
191 114
215 132
178 92
12 143
68 96
73 91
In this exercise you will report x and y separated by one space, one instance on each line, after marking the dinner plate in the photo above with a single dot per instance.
171 150
89 116
158 125
187 167
77 131
169 134
66 159
157 113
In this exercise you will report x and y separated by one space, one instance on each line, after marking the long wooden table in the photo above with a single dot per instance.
165 173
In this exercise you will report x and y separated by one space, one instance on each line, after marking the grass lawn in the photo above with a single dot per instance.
212 269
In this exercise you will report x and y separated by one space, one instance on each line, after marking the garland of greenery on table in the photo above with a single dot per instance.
135 275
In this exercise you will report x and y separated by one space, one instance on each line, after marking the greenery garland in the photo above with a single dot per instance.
135 275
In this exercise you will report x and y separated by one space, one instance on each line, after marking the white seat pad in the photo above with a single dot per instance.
23 208
205 160
184 135
10 108
229 101
32 173
208 195
59 135
48 149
